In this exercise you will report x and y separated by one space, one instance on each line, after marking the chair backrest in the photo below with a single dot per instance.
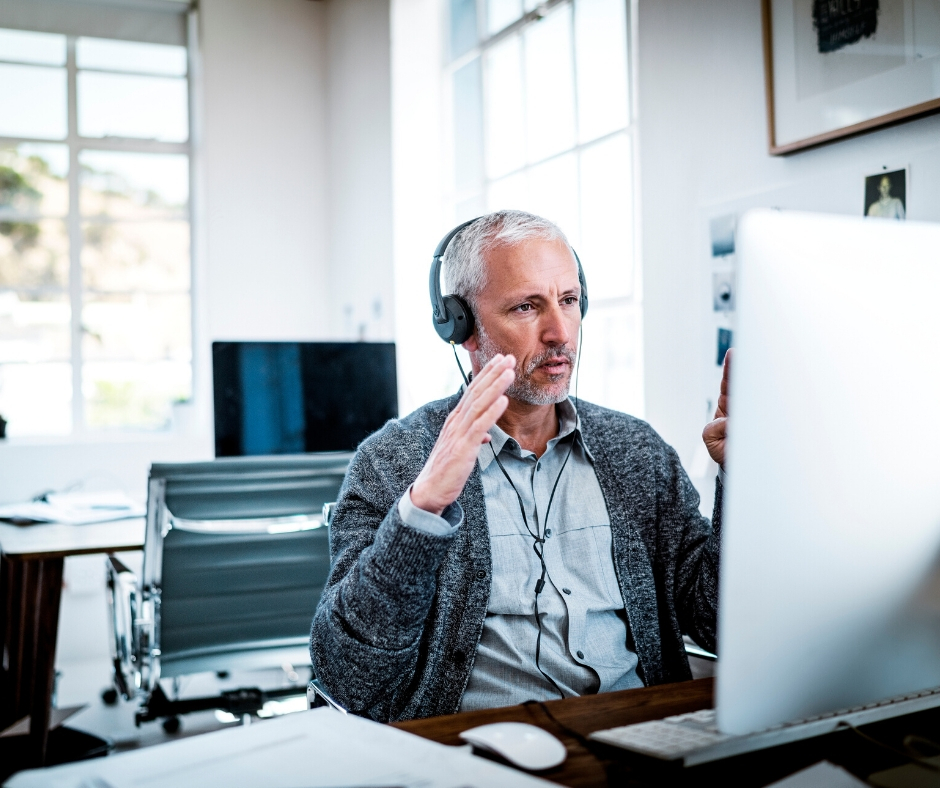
236 554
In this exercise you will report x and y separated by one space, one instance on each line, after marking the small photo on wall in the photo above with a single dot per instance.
886 195
721 230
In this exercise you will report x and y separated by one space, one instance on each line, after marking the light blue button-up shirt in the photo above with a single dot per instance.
585 639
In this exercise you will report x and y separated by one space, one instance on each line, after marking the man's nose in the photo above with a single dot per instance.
555 327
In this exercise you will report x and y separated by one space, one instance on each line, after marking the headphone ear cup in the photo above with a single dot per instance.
459 325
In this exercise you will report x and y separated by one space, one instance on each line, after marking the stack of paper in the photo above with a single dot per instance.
73 508
310 749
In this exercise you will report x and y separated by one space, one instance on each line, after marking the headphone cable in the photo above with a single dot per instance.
538 541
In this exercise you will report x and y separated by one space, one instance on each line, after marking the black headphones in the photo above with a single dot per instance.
453 318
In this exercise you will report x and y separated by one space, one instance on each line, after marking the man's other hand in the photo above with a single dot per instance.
467 427
716 431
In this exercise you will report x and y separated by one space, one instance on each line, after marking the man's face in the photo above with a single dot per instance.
884 187
530 308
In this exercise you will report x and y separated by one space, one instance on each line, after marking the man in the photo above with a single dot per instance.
886 207
439 600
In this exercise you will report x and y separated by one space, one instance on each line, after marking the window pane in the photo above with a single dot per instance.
134 395
468 127
601 27
508 192
34 102
549 85
34 180
502 13
34 327
505 134
553 194
133 185
118 105
463 26
27 47
136 327
34 254
36 399
125 256
607 217
611 372
110 55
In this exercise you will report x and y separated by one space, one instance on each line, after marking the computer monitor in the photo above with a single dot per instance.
830 568
294 397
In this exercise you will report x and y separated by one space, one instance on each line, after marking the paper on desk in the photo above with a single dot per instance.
312 749
74 508
820 775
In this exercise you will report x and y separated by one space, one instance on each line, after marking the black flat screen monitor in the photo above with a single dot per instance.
294 397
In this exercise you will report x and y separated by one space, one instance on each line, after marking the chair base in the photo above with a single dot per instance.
248 700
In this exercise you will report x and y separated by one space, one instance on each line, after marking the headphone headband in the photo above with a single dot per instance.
453 318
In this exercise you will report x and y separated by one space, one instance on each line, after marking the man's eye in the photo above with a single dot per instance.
570 300
524 307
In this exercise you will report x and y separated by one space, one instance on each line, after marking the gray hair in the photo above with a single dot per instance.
464 261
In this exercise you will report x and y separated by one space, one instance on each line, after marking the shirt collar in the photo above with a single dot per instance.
568 422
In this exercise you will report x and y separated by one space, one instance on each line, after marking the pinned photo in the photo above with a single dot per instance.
723 291
886 195
724 344
722 233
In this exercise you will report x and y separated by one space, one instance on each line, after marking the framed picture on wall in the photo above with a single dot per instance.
834 68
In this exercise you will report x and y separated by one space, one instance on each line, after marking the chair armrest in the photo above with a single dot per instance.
317 697
692 649
123 602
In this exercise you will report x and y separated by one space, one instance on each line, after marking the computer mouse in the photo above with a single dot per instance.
523 745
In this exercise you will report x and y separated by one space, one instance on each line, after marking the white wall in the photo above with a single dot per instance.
265 164
426 369
359 196
703 142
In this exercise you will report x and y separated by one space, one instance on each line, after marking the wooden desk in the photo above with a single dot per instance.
610 766
584 715
31 563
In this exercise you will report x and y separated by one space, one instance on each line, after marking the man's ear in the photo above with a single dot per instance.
472 345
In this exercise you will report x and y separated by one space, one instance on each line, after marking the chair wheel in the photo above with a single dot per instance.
110 696
171 724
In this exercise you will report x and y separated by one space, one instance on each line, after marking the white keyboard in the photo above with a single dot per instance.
694 738
669 738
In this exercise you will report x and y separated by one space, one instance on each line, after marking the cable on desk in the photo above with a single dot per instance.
908 741
609 766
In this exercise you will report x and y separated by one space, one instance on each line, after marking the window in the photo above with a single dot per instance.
95 301
541 121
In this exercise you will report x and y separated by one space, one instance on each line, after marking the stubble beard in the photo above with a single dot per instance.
524 388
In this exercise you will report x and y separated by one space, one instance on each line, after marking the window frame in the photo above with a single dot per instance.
463 204
454 197
76 144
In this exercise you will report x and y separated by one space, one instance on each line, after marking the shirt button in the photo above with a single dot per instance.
481 574
567 591
548 533
538 466
580 654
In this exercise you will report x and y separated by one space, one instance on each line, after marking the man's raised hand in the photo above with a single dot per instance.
716 431
467 427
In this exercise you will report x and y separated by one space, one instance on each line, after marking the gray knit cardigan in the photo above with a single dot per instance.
397 627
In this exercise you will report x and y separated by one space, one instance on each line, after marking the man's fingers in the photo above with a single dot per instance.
716 430
481 398
488 418
484 399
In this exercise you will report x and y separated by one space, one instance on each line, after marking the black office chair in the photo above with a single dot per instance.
236 554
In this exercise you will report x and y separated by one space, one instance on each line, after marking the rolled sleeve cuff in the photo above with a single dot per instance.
449 521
